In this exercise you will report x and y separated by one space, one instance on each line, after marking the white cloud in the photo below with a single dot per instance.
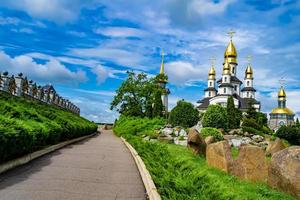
101 72
120 32
52 71
180 72
9 20
204 7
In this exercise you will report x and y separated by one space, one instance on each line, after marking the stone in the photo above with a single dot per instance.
284 171
251 164
257 138
182 132
274 147
218 155
209 140
166 138
196 142
167 131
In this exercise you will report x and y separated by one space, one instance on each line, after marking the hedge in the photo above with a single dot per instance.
28 125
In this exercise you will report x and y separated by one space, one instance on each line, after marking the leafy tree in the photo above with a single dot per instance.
234 115
251 112
216 117
138 96
297 122
289 133
158 105
184 114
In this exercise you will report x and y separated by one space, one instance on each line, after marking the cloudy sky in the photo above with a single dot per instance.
85 47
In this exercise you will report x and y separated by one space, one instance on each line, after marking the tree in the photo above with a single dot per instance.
138 96
289 133
297 122
157 105
215 117
251 112
184 114
234 115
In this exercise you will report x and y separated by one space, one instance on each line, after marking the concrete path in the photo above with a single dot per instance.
98 168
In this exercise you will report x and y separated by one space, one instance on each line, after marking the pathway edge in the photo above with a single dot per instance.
31 156
146 177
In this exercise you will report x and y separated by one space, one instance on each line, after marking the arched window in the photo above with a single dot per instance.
248 83
210 83
225 79
224 90
235 88
209 93
247 94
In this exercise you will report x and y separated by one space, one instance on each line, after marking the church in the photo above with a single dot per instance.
217 92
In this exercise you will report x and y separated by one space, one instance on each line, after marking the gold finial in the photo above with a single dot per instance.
162 62
231 33
281 93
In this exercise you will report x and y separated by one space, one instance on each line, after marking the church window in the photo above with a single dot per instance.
233 70
247 94
248 83
235 88
225 79
224 90
210 84
209 93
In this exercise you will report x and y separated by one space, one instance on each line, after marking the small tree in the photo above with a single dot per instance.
251 112
234 115
289 133
157 104
184 114
216 117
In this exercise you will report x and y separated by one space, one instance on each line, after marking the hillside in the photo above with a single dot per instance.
27 125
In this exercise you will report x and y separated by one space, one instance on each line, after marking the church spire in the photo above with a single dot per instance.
162 67
249 70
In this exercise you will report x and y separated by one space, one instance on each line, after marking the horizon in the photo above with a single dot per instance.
85 48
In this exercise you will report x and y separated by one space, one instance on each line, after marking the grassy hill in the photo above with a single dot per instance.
27 125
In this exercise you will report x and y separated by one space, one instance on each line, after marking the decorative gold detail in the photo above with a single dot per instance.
230 54
162 67
249 72
212 71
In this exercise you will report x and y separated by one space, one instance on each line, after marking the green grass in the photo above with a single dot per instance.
27 125
234 152
179 175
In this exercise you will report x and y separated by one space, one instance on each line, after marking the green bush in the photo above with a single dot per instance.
184 114
252 130
27 125
208 131
251 123
289 133
216 117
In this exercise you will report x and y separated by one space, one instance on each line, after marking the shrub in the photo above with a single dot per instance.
251 123
216 117
289 133
252 130
184 114
27 125
212 132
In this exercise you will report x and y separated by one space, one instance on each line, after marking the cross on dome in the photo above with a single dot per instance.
231 33
213 61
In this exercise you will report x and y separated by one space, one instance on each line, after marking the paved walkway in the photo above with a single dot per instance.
97 168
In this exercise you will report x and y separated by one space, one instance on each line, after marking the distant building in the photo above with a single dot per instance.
281 115
229 84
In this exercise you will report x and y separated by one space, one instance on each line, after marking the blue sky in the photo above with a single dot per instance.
85 47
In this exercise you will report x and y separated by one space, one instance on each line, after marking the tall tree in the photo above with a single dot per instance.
234 115
137 96
157 104
251 112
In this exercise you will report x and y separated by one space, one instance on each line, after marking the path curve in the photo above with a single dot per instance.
97 168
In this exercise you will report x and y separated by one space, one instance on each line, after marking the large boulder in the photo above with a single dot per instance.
284 170
196 142
209 140
274 147
218 155
251 164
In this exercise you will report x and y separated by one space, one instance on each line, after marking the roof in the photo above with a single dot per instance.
226 85
210 89
204 103
249 89
233 79
48 87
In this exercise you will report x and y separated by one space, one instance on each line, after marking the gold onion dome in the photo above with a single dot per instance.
282 111
212 73
230 54
226 68
249 72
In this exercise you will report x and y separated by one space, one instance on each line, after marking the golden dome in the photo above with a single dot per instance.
212 73
249 72
230 54
282 111
281 94
226 68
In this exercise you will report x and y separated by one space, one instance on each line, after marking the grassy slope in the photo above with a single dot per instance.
27 125
178 174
